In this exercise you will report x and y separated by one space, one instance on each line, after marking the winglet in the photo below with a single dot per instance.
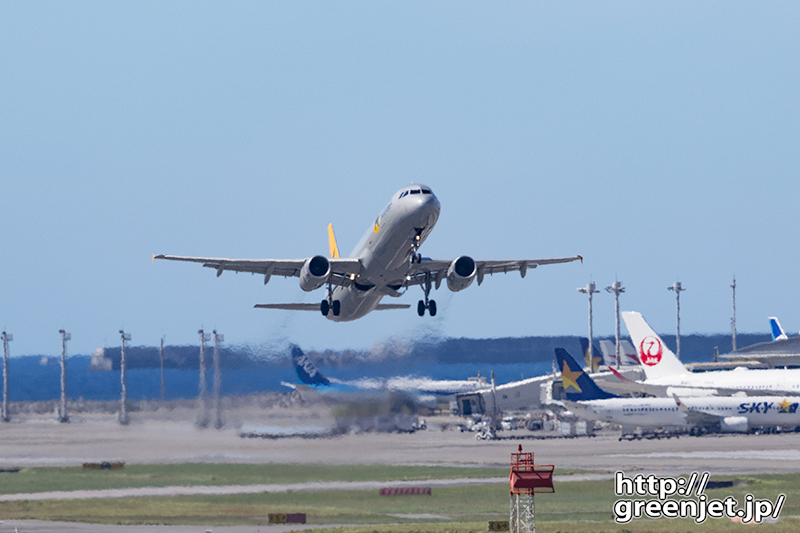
332 248
154 260
581 258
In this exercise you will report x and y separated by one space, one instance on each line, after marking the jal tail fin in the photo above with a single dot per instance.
629 355
577 384
609 353
332 248
656 359
777 331
306 370
597 358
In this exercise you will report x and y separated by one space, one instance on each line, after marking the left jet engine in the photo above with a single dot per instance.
461 273
314 273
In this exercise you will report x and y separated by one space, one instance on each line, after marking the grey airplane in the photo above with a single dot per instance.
385 262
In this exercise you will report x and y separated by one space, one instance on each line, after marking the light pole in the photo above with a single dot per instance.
64 417
218 338
161 359
6 338
591 290
733 318
616 288
202 419
123 413
678 289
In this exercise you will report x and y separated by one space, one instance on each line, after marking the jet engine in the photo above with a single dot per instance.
314 273
733 424
461 273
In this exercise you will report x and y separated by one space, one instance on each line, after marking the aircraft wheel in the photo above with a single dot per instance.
324 307
432 307
421 308
337 306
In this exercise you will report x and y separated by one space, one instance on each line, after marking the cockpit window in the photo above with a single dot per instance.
414 191
426 191
402 194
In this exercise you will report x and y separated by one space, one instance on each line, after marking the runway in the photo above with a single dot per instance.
155 440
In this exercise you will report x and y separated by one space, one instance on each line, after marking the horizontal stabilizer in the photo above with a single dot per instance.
290 307
315 307
386 307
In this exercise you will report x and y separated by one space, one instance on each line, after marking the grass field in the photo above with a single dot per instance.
579 506
49 479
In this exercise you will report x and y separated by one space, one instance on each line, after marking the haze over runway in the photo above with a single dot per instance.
657 140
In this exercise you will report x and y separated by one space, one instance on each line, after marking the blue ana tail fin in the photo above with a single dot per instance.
777 331
577 384
306 370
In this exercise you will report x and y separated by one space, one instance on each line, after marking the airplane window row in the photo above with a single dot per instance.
414 191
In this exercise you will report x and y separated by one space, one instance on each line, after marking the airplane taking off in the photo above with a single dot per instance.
664 372
715 413
385 262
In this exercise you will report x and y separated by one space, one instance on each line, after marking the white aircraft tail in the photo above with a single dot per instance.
628 353
777 331
609 353
657 360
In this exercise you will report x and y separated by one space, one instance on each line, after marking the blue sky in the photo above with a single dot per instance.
659 140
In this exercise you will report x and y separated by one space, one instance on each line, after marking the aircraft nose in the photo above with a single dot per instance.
427 201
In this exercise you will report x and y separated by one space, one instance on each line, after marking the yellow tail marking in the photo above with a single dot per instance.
334 250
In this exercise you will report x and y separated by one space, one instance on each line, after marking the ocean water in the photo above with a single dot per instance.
29 380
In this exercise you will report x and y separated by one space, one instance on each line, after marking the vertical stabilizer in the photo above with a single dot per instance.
657 360
629 356
306 370
777 331
577 384
609 353
332 248
596 355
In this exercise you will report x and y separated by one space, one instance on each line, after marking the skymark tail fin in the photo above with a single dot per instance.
777 331
657 360
577 384
306 370
596 356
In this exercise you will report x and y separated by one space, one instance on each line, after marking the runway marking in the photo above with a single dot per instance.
768 455
205 490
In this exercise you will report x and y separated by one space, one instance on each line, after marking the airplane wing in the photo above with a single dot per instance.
695 417
437 268
341 268
315 307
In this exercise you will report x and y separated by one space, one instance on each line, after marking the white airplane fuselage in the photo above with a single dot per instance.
770 379
661 412
385 251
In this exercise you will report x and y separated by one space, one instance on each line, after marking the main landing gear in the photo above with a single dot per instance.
430 305
329 304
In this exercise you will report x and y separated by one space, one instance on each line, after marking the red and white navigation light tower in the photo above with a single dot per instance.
526 479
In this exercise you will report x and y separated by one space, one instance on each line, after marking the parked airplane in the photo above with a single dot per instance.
664 372
627 353
385 262
714 413
308 374
781 351
777 331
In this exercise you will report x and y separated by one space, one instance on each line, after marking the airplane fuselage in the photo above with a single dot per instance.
772 379
663 412
386 251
